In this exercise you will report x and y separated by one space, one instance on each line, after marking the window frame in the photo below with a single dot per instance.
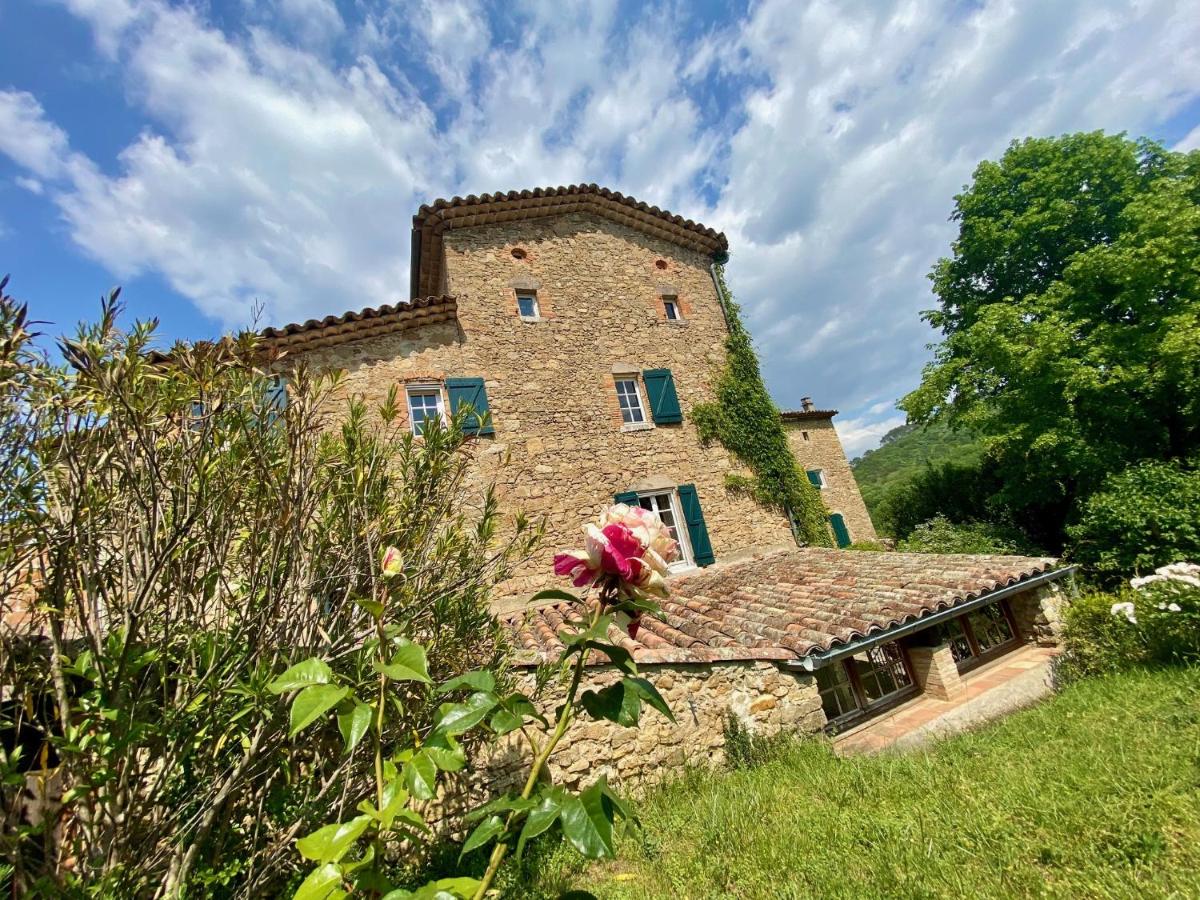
671 304
822 481
424 389
865 707
532 297
643 407
978 656
687 559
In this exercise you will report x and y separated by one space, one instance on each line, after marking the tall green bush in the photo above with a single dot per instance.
940 535
175 536
745 420
1142 518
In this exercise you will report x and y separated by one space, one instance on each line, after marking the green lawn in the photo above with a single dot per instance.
1095 793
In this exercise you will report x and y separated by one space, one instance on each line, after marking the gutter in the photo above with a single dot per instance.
721 299
814 661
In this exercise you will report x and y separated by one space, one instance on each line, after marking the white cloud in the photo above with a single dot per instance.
826 138
1190 141
30 184
860 435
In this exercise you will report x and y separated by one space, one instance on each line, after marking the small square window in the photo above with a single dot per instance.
804 434
527 306
817 478
424 403
671 307
630 399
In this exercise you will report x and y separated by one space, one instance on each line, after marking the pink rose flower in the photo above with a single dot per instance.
391 564
630 545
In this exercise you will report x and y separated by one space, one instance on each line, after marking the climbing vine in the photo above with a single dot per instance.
745 420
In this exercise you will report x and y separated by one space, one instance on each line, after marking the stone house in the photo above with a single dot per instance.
584 326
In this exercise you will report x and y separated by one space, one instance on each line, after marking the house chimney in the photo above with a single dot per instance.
806 404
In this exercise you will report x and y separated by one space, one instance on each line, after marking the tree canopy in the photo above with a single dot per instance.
1070 310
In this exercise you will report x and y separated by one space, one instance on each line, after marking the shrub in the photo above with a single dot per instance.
1141 518
1095 642
939 535
955 491
1166 608
175 535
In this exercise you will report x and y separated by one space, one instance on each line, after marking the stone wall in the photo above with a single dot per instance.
816 445
765 699
549 382
1039 613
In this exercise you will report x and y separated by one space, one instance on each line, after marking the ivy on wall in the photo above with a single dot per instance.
745 420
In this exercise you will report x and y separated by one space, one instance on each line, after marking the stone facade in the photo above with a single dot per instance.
765 700
600 289
816 445
1038 614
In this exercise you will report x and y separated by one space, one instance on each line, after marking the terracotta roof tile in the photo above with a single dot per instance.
788 604
802 415
353 325
462 212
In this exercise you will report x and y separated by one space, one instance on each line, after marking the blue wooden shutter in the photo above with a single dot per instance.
814 477
840 532
664 403
693 517
629 498
471 392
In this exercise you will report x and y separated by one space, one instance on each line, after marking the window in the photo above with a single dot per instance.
868 679
527 305
671 308
991 627
424 403
979 634
817 478
630 399
804 434
666 505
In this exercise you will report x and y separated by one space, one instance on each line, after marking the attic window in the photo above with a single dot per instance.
660 264
518 253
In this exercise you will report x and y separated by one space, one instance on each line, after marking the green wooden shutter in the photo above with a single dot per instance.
814 477
276 399
629 498
471 392
693 517
664 403
840 532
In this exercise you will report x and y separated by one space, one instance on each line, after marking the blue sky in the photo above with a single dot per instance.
221 158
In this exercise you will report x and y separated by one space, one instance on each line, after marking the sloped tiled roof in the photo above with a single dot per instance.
802 415
460 212
352 326
789 604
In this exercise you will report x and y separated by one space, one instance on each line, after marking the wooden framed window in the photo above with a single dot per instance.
424 403
666 505
629 395
865 682
979 635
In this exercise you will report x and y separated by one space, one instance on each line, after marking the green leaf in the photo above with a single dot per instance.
445 758
353 722
542 817
312 703
520 705
445 889
500 804
587 822
618 703
575 639
481 680
553 594
618 656
484 832
650 694
456 718
373 607
420 774
331 843
322 883
407 664
412 817
394 798
311 671
503 721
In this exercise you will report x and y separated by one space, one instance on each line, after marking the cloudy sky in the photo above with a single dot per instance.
215 158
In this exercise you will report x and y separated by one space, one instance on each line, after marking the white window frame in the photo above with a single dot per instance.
423 390
672 303
686 560
641 403
537 312
820 477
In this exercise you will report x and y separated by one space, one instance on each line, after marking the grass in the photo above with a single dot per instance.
1095 793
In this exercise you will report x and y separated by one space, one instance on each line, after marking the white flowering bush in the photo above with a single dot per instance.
1165 607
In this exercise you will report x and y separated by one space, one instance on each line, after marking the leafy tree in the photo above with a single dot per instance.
959 493
940 535
1142 518
1070 310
